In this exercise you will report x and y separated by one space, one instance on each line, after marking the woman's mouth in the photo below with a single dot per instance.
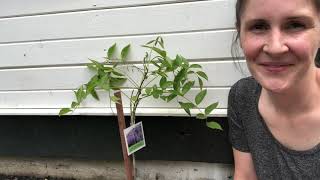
276 68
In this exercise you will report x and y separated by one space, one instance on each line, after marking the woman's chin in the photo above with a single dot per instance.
275 86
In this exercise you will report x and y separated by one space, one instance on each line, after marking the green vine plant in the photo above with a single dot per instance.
161 77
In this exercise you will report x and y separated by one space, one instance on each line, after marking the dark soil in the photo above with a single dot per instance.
12 177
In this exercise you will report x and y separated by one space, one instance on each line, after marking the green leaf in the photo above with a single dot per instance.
176 87
64 111
101 73
125 52
167 62
175 64
179 60
115 99
214 125
187 107
108 69
187 110
117 80
181 74
161 42
211 108
200 96
183 80
107 86
97 64
92 84
200 83
104 82
185 63
111 50
201 116
134 98
148 90
94 94
117 73
156 64
167 84
75 93
202 74
187 87
157 50
80 94
156 92
74 104
91 67
150 42
170 97
195 66
163 80
164 98
162 74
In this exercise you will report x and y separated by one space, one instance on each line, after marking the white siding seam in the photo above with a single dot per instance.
165 112
98 90
117 36
79 65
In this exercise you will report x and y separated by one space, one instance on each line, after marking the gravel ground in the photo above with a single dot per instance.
8 177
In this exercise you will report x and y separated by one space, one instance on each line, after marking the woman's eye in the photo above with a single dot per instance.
259 27
295 26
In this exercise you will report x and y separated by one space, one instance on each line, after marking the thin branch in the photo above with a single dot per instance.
129 78
151 81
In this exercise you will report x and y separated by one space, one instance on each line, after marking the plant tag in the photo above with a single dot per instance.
134 138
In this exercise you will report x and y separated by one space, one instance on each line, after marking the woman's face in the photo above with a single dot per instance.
280 39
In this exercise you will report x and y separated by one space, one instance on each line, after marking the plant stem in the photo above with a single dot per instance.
146 62
136 102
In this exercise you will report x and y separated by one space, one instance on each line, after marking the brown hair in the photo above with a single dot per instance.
235 42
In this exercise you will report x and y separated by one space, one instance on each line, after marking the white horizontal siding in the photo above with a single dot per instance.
63 98
221 74
45 44
183 17
194 46
22 8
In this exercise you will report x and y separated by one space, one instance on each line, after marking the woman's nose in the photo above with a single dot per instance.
275 43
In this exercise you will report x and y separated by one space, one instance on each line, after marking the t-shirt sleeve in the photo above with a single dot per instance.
237 134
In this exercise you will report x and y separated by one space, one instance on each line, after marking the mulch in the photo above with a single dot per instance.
13 177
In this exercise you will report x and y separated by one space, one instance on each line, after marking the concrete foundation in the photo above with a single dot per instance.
103 170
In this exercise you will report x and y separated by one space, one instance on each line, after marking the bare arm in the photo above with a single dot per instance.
244 168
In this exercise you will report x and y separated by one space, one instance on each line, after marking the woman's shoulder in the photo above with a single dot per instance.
245 85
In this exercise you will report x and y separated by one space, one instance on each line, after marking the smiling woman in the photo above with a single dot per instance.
274 116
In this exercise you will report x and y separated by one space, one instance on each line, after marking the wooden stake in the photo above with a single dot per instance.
122 125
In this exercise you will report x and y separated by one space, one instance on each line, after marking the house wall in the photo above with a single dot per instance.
45 45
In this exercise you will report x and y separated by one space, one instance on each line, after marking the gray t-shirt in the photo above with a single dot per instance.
249 133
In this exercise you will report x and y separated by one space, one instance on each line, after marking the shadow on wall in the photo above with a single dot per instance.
97 138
